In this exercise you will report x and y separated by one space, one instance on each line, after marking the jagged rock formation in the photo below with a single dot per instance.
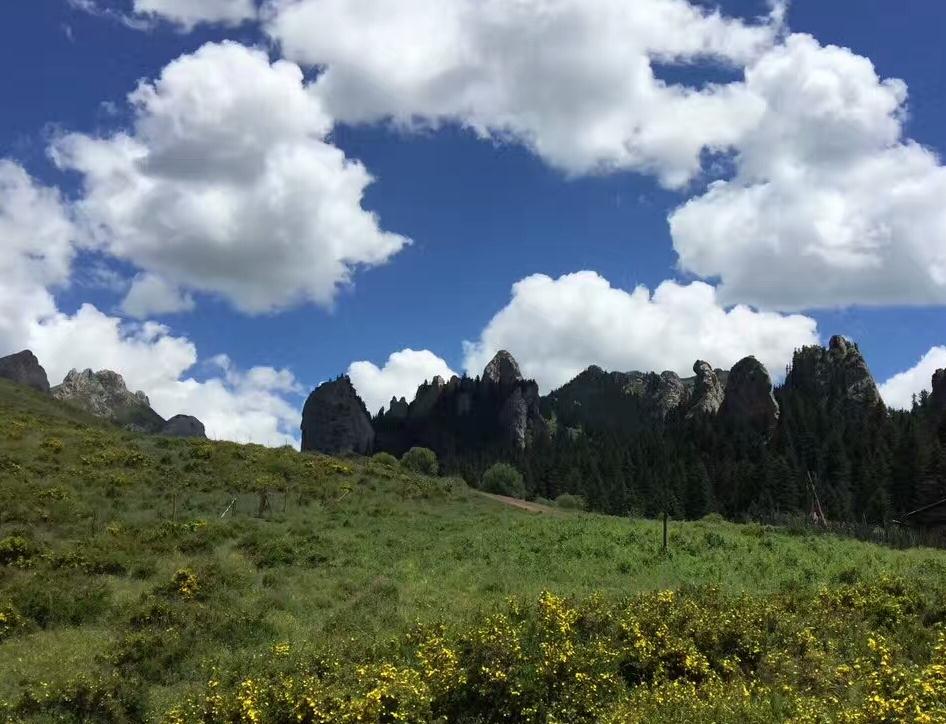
24 369
502 369
499 409
184 426
838 374
398 409
749 397
426 397
708 391
335 420
104 394
628 401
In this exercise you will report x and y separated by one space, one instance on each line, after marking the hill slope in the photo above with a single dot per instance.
145 578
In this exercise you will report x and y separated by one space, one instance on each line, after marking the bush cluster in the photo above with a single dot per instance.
694 655
503 479
420 460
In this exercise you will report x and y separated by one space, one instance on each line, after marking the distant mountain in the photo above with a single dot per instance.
102 394
725 441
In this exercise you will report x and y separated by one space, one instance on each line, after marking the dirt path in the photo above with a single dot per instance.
521 504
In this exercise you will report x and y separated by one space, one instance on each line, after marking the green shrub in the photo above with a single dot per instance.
68 598
567 501
420 460
385 459
503 479
15 550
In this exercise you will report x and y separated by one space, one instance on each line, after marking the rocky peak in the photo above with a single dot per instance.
749 395
24 369
104 394
708 392
502 369
836 373
426 398
335 420
397 409
184 426
669 392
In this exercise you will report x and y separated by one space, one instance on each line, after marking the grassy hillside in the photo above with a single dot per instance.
157 579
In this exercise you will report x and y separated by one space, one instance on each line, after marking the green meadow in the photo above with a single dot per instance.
145 578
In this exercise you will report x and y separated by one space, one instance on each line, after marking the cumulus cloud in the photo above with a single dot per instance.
250 406
572 79
557 327
227 185
899 390
150 294
38 237
400 376
36 232
829 205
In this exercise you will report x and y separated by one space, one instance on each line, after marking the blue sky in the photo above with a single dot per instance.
481 213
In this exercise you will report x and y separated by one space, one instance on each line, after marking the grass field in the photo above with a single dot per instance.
156 579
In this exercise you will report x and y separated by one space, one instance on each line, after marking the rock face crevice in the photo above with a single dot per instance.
335 420
24 369
104 394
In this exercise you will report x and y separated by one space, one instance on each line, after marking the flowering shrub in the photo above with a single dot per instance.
665 656
53 444
10 621
185 584
15 550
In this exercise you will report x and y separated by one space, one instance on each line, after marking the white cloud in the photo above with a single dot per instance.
184 14
899 390
247 406
37 237
150 294
557 327
36 234
400 377
829 206
227 185
571 79
188 13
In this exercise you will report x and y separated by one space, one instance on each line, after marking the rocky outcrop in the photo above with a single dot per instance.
669 393
938 395
104 394
629 401
499 409
708 392
838 374
398 409
520 418
184 426
502 369
24 369
335 420
749 398
426 397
